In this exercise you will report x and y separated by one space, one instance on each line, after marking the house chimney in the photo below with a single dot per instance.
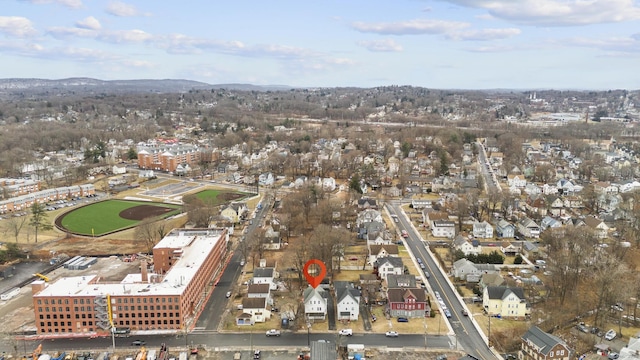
143 271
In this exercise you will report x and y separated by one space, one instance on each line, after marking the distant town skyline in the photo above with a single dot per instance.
461 44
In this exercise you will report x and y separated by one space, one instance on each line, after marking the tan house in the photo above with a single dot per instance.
597 226
505 302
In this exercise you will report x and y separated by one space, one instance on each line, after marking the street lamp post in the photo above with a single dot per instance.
425 333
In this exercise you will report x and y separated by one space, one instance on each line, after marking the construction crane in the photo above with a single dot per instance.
43 277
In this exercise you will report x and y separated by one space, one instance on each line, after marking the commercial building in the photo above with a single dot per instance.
170 298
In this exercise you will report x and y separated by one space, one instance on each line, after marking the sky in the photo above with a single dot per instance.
446 44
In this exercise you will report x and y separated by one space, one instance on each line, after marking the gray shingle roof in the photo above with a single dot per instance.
545 342
501 292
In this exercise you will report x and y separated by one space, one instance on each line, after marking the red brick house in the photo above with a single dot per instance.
407 302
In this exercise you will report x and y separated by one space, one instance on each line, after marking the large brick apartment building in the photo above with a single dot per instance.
170 298
168 157
23 202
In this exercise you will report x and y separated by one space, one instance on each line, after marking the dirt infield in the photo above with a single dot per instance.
144 211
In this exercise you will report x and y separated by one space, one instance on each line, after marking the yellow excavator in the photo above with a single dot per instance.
142 355
43 277
36 353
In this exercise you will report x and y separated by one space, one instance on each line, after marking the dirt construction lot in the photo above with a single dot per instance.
17 313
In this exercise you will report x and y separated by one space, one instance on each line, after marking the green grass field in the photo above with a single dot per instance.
217 197
103 217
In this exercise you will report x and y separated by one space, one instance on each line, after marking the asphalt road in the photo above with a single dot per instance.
245 341
214 309
466 334
487 173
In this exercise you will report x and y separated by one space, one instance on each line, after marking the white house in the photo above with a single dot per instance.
516 181
146 174
264 275
315 303
119 170
260 291
529 228
348 300
266 179
466 246
443 228
598 226
389 265
328 184
482 230
256 308
379 251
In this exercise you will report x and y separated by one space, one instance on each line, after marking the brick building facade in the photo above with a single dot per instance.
171 298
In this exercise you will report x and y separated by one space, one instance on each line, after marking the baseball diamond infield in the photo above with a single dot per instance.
109 216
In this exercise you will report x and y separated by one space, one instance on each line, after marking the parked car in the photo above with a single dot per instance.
228 295
464 312
582 327
273 332
613 355
256 354
346 332
447 313
403 319
391 334
138 343
610 335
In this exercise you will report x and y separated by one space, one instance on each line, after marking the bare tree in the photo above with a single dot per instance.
147 232
14 225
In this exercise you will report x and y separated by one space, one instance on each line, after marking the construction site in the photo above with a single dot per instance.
142 353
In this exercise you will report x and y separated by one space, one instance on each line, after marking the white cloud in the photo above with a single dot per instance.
611 45
118 8
142 64
557 12
485 34
16 26
125 36
63 32
410 27
117 37
90 23
74 4
383 45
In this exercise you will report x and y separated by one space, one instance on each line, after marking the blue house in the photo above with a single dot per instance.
504 229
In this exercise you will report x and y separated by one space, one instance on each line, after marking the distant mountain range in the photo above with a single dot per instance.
8 86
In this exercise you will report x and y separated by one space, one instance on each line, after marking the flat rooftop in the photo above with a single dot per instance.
195 244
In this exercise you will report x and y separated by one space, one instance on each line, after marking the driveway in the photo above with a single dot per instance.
366 316
331 312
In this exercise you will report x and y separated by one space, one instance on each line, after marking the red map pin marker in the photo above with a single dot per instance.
314 281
